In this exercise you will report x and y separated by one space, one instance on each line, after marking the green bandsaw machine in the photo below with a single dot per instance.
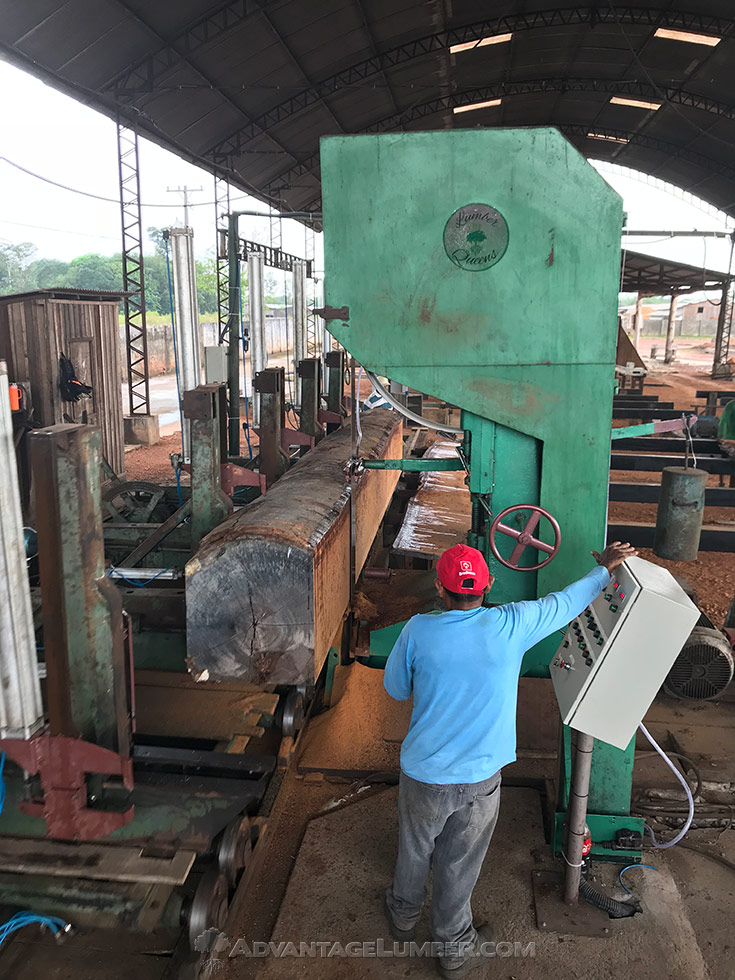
481 267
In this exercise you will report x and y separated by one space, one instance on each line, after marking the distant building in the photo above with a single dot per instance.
655 317
699 319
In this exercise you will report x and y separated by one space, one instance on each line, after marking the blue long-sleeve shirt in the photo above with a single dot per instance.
462 668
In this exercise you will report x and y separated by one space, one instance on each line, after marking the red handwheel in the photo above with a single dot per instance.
525 537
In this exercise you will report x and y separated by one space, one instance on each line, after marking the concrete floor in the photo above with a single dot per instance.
345 861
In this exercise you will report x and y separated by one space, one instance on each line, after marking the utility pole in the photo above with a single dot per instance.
185 191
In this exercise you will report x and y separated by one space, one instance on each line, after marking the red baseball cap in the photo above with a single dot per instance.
463 569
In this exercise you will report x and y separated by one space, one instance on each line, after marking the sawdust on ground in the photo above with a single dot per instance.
362 732
712 575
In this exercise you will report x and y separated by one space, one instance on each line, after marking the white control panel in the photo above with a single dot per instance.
615 655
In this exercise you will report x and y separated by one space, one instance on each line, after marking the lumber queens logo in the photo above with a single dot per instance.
476 237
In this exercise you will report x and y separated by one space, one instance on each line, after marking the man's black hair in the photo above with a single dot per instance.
463 597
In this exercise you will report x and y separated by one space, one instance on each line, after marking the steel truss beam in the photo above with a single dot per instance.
221 213
235 144
136 339
309 165
141 76
312 321
173 57
276 258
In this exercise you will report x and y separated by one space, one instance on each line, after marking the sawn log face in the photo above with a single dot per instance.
267 589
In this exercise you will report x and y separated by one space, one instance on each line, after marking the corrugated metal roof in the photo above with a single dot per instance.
249 86
659 277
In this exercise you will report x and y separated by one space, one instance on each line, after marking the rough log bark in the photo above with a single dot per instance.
268 588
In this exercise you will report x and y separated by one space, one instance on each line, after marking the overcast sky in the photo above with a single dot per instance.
51 134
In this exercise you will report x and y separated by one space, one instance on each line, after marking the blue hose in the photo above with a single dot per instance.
22 919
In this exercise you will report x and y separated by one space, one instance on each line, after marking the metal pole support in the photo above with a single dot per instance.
21 708
86 663
233 332
299 322
270 385
335 361
205 409
577 815
186 316
309 372
671 329
256 306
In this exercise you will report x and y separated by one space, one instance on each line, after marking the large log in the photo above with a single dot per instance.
268 588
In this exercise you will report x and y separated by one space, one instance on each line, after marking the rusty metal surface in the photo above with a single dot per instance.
268 589
35 328
82 609
63 765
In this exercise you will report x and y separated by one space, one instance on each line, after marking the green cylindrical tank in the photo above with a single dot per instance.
680 512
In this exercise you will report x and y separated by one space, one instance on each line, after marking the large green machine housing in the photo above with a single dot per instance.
481 267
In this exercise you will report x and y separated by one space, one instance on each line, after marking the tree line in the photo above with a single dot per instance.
21 271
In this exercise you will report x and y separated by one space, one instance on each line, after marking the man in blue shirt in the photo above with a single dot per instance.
462 668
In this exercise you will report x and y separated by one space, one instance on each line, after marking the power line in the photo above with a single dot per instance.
61 231
101 197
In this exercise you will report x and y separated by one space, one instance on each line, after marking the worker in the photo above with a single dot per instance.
462 668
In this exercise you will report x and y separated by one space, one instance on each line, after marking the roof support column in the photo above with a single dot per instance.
136 337
638 321
722 337
670 328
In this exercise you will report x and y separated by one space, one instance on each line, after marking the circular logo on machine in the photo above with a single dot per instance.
476 237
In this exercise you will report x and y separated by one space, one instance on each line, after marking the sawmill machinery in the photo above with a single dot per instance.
132 778
485 273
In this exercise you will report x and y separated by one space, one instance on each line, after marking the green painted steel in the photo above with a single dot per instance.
519 329
629 431
603 828
160 650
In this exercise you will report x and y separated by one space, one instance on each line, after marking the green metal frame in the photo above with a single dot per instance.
526 348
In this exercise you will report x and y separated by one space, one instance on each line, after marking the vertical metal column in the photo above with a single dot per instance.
21 708
221 212
86 663
335 361
671 329
256 306
233 332
270 385
326 339
312 325
310 376
724 327
203 407
186 317
577 815
136 339
638 321
299 323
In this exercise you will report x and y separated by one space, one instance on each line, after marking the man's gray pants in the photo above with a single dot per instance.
445 828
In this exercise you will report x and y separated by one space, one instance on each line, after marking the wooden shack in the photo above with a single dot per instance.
37 327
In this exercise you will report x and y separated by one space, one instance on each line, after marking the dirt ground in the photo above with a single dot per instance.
712 575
